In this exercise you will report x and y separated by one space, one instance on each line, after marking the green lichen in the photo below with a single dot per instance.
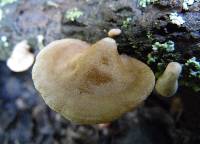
126 22
161 54
151 58
167 46
73 14
150 36
194 67
145 3
160 50
191 74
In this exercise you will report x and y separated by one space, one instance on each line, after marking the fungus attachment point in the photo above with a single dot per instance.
90 84
167 83
21 58
114 32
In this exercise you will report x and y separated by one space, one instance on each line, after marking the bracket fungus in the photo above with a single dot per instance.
21 58
167 83
90 84
114 32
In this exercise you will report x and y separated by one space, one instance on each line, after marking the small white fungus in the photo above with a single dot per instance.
21 58
114 32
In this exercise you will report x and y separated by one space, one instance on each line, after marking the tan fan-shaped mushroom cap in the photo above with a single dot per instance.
90 84
167 83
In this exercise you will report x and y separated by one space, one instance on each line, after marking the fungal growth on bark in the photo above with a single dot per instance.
21 58
167 83
90 84
114 32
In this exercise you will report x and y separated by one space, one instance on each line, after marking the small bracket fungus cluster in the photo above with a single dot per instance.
90 84
167 83
114 32
21 58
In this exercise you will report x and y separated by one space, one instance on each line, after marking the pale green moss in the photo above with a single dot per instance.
194 66
73 14
150 36
151 58
167 46
161 55
126 22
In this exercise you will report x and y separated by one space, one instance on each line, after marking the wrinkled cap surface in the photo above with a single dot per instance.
90 84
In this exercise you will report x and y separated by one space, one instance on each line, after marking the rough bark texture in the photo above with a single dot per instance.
24 116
